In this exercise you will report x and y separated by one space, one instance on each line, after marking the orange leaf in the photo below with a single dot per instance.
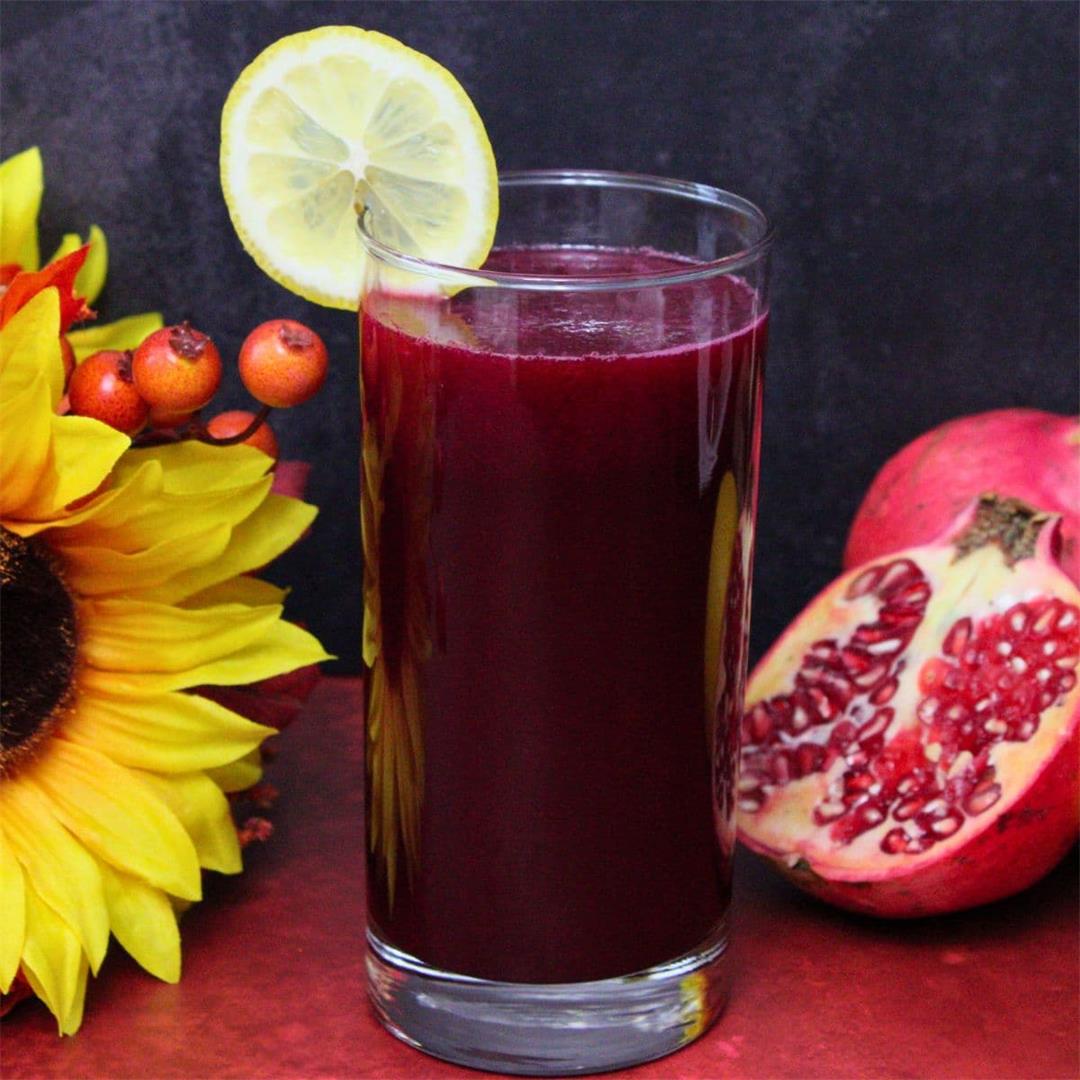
61 274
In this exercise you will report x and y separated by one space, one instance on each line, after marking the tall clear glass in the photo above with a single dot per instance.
560 457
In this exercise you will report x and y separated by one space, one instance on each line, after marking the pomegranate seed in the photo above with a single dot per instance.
894 842
877 723
809 757
842 734
873 745
947 825
885 691
916 594
1044 622
982 798
908 808
897 575
859 782
865 583
863 817
760 723
1067 619
781 768
918 844
822 705
855 660
1017 617
871 677
800 719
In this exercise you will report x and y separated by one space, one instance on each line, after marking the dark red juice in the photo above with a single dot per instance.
558 492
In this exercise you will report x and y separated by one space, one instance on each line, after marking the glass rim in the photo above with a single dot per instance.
688 190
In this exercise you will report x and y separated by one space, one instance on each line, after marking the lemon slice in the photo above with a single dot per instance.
337 118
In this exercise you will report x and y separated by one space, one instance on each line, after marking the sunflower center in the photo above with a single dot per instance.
37 647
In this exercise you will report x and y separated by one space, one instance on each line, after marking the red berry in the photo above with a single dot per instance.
102 388
177 369
67 353
283 363
227 424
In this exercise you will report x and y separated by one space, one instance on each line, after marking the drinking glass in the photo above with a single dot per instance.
559 476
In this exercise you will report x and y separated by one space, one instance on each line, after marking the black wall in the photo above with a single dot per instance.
920 161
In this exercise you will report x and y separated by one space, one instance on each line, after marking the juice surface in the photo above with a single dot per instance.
558 493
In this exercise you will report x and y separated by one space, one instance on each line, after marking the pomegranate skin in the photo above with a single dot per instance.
1025 844
1022 453
1004 845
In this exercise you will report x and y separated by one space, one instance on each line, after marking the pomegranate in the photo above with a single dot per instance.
1022 453
910 744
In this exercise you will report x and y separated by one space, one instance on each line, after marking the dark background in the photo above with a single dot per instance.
920 161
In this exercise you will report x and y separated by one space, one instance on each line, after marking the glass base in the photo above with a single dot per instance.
549 1029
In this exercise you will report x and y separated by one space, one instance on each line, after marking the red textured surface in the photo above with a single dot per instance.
273 970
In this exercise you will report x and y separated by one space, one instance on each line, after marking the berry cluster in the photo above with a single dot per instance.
175 372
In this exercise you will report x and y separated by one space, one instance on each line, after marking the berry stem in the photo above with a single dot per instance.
196 429
203 435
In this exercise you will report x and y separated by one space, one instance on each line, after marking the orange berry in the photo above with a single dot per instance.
164 419
102 388
177 369
227 424
283 363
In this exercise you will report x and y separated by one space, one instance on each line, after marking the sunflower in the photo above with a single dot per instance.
125 577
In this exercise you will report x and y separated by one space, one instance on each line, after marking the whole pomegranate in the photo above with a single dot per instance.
910 744
1021 453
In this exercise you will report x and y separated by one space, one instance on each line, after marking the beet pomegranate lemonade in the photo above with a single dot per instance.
559 478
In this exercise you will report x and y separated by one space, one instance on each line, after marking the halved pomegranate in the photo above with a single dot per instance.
910 744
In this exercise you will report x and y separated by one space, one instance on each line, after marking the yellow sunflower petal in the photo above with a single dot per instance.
136 516
134 635
21 185
119 819
30 346
238 775
25 434
285 648
54 963
110 506
83 454
68 243
91 278
13 905
274 527
144 923
99 571
56 865
126 333
239 590
204 811
195 467
166 733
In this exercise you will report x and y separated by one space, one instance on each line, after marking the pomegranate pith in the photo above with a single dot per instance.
915 708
